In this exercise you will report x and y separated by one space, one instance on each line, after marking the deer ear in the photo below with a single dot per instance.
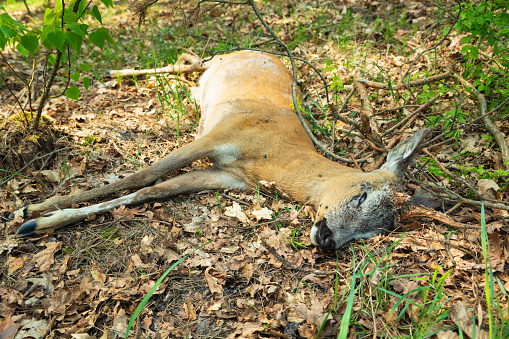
399 157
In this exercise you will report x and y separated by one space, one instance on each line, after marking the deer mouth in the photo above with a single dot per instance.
322 236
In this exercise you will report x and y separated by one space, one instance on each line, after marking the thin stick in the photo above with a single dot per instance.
465 182
414 114
497 135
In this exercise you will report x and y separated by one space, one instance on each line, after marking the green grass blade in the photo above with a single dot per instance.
347 315
145 300
489 286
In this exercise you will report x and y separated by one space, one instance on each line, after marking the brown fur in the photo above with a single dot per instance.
248 129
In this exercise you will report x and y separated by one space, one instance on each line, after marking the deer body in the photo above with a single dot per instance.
249 130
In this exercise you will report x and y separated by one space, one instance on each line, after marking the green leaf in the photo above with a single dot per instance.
75 76
97 38
49 16
96 14
76 29
22 50
57 38
84 28
3 8
474 52
73 92
86 82
466 40
74 40
465 49
6 19
30 42
44 36
8 32
70 17
108 36
3 41
85 67
81 7
107 3
58 7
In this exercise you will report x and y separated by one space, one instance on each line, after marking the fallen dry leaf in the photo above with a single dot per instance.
235 211
14 264
44 259
215 279
262 213
8 328
460 317
33 328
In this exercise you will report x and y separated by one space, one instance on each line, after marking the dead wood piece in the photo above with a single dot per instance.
197 66
414 212
368 126
495 132
414 83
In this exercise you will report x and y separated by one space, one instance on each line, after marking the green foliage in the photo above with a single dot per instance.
295 241
487 23
501 176
62 31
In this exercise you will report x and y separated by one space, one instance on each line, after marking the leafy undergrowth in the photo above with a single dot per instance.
424 279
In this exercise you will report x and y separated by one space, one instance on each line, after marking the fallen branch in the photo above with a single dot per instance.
451 195
177 68
415 212
495 132
368 127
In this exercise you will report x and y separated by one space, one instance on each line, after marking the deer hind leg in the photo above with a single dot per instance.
183 184
179 158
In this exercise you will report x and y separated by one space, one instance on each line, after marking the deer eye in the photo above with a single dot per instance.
362 198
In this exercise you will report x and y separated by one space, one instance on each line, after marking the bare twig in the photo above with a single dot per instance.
446 171
495 132
413 114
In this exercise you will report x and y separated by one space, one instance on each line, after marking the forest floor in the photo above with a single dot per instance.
425 279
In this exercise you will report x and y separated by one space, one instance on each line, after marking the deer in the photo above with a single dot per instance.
249 131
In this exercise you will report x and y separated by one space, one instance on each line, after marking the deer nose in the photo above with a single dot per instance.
324 237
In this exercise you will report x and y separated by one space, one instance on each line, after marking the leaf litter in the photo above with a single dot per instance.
86 281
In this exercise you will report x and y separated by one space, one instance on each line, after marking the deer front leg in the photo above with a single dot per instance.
183 184
179 158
